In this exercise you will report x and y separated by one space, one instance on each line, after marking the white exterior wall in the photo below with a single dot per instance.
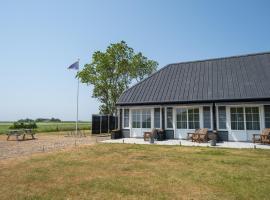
243 135
233 135
138 132
182 133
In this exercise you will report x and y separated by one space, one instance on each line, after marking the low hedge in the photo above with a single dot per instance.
22 125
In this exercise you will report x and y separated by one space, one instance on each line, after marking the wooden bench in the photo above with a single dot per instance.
263 138
20 132
15 133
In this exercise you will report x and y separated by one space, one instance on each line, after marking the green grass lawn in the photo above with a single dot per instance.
123 171
50 126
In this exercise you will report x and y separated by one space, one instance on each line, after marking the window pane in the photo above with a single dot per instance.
233 117
233 110
267 116
248 110
240 117
249 117
184 125
234 125
240 110
240 126
256 117
133 119
197 117
126 117
255 110
146 118
190 125
249 125
256 125
222 117
169 118
237 118
190 115
267 110
252 118
181 118
206 117
196 125
157 117
136 119
193 118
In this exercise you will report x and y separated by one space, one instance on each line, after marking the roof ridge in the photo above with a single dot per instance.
219 58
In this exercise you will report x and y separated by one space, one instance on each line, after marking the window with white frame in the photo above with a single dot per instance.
207 117
169 117
181 118
157 118
126 118
136 119
222 117
193 118
237 118
267 116
146 118
252 118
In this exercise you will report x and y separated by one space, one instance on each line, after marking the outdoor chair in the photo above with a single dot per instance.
147 135
200 135
203 135
263 138
194 136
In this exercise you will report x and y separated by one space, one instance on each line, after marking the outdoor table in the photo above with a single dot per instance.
29 132
20 132
16 133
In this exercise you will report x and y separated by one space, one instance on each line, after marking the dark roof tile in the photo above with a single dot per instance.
237 77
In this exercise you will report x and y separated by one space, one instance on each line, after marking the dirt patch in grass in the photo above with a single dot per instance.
43 143
123 171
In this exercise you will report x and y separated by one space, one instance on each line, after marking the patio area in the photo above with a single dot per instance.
237 145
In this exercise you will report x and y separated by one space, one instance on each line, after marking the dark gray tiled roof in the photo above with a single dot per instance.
243 77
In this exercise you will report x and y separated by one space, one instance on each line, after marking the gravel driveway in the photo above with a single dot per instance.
43 143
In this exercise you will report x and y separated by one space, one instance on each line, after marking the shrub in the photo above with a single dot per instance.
22 125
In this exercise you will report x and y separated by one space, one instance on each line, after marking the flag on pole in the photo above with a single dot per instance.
74 66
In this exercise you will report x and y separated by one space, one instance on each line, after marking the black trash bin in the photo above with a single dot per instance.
161 135
116 134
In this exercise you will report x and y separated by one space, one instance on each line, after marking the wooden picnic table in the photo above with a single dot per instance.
20 132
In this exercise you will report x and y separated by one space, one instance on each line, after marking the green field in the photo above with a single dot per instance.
123 171
50 126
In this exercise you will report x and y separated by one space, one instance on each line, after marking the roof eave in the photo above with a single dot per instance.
193 101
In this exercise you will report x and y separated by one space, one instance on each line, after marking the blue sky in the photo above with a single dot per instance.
40 39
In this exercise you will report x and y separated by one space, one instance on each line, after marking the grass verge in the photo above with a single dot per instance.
123 171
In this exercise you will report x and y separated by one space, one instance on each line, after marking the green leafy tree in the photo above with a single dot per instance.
111 72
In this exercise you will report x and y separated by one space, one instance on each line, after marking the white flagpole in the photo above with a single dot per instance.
77 116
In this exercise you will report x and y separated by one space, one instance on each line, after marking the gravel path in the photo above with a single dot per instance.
43 143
